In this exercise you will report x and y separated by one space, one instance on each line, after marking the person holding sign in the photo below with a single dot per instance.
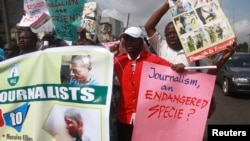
172 50
27 41
11 50
128 68
83 40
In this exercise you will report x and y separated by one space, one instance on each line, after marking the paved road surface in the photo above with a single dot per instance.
230 109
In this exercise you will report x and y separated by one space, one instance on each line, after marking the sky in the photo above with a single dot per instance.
138 11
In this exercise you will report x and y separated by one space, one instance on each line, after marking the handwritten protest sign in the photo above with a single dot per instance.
66 17
172 106
202 27
33 10
38 98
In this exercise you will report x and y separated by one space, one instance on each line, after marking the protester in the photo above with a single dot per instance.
27 41
172 50
119 49
49 40
128 68
83 40
11 50
2 42
1 55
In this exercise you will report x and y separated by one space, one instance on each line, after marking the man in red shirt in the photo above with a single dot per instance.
128 69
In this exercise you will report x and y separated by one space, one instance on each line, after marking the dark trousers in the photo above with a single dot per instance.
199 13
124 131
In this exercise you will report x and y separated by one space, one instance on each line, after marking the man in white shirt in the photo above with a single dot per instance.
171 48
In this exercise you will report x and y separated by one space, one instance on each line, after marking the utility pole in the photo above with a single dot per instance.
248 43
127 20
5 20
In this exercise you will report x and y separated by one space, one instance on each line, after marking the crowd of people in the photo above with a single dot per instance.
132 50
28 42
128 66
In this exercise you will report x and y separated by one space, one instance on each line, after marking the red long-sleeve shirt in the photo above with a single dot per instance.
129 74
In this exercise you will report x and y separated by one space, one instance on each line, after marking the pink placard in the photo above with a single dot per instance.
172 106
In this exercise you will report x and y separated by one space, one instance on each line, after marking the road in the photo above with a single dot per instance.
230 109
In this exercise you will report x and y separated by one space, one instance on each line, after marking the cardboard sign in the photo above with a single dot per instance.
34 9
172 106
202 27
66 17
91 17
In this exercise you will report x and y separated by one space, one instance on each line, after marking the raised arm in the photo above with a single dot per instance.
228 52
155 18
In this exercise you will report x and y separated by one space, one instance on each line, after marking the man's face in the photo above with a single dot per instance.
79 71
9 51
172 37
132 44
73 127
25 41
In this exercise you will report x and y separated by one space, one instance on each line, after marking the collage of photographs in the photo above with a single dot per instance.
200 24
90 17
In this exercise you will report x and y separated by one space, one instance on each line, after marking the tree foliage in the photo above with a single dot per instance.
243 47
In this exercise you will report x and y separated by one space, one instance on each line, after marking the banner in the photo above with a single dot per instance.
66 16
202 27
175 108
44 95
